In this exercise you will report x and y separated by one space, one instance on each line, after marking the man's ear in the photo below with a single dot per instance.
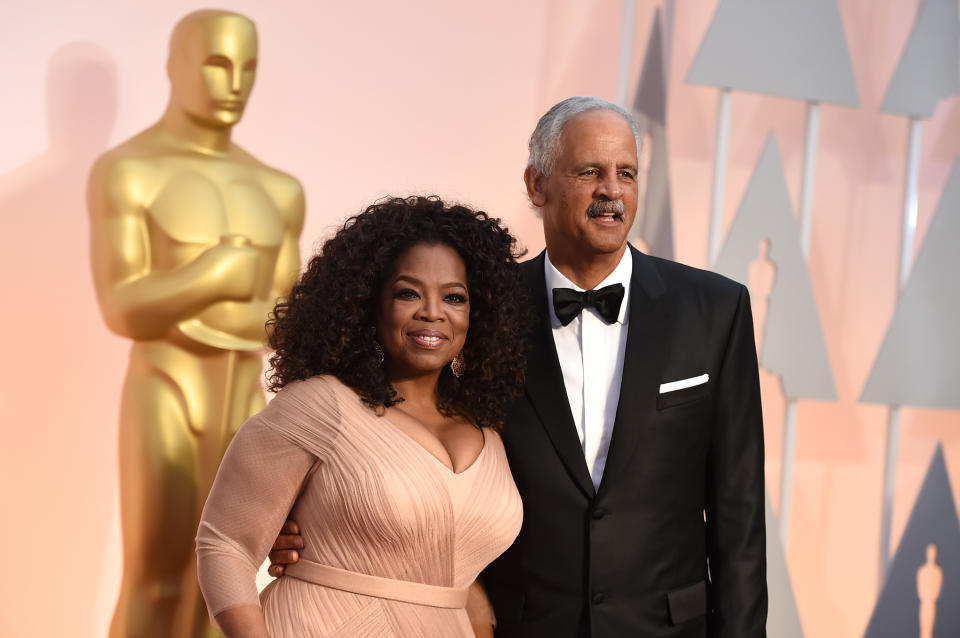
535 186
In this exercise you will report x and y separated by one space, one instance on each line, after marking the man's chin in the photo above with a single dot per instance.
605 231
609 244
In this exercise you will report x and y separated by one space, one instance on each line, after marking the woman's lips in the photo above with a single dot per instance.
428 339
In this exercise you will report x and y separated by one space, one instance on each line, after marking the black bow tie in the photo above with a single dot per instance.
569 303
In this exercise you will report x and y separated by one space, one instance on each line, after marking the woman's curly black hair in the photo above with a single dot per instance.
327 325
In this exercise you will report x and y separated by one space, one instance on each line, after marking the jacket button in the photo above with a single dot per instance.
597 598
598 514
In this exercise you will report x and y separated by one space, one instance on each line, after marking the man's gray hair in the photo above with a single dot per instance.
545 141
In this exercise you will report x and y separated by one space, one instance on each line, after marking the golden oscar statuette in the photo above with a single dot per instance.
193 240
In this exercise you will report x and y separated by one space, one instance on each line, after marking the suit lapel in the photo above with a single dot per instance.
545 387
648 326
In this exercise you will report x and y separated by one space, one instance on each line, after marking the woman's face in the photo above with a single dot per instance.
424 311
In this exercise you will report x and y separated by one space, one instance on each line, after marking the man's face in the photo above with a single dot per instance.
213 72
595 172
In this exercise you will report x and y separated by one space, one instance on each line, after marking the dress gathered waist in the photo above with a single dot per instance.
401 590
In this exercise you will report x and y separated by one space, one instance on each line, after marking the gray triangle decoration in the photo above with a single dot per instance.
919 361
793 344
933 521
650 100
783 618
791 48
650 110
669 13
928 69
945 147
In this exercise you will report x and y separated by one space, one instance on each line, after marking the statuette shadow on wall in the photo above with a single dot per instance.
192 241
923 585
762 251
929 585
41 204
761 277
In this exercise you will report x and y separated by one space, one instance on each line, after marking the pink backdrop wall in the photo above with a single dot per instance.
363 99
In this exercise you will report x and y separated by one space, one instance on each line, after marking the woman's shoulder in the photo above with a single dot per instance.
316 383
316 391
321 399
307 405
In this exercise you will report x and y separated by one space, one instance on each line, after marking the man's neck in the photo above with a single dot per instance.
587 274
198 136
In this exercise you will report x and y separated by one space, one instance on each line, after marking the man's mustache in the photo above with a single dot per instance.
606 207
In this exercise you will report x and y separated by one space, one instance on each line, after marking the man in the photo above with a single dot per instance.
638 445
192 241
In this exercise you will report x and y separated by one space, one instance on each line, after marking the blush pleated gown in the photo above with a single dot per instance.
393 537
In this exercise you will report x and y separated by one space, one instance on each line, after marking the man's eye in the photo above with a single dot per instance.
627 175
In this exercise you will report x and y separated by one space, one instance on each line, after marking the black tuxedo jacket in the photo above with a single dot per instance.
672 543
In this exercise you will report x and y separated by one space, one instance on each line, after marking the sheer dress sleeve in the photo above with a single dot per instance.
259 479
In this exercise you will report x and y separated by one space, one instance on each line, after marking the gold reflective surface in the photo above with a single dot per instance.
192 241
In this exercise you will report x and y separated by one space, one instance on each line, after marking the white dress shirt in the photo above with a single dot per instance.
591 357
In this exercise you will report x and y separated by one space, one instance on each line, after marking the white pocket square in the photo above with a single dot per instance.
683 383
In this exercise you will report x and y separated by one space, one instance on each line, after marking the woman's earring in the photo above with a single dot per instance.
378 352
457 366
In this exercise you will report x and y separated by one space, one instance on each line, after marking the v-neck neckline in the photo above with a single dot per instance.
448 468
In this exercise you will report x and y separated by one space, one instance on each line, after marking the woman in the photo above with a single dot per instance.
396 357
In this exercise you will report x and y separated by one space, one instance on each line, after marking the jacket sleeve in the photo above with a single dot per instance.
736 538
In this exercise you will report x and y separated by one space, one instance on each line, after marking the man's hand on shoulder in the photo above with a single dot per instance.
284 550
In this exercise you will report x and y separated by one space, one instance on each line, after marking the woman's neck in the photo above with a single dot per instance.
419 392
